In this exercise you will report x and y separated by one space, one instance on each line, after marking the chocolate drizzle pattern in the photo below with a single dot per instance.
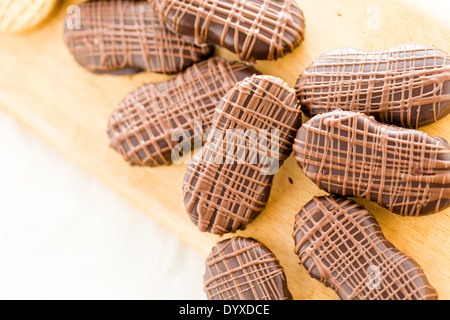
252 29
222 197
341 244
125 37
347 153
244 269
143 127
407 85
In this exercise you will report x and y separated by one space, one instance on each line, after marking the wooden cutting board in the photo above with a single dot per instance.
46 90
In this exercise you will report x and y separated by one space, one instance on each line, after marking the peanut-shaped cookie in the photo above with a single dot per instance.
147 126
228 182
23 15
125 37
252 29
342 245
408 85
244 269
404 170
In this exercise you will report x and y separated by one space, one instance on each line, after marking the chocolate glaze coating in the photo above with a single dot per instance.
125 37
408 85
142 127
404 170
244 269
341 244
224 196
253 29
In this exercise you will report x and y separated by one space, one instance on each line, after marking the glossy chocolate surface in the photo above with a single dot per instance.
224 191
152 121
252 29
125 37
341 244
244 269
408 85
404 170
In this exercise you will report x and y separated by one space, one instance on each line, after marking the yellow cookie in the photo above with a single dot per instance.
22 15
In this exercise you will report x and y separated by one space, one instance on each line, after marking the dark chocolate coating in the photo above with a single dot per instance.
144 126
228 182
408 85
126 37
404 170
252 29
244 269
341 244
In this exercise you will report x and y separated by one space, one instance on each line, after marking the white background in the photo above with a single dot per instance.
65 235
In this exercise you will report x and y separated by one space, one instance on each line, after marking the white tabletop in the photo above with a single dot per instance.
64 235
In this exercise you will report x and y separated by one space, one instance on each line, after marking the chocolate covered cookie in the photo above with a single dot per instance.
244 269
125 37
404 170
341 244
154 119
408 85
252 29
228 182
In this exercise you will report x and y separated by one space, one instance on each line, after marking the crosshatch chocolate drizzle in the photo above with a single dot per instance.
341 244
141 129
224 197
407 85
244 269
252 29
347 153
125 37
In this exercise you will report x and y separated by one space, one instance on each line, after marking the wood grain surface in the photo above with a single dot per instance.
46 90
